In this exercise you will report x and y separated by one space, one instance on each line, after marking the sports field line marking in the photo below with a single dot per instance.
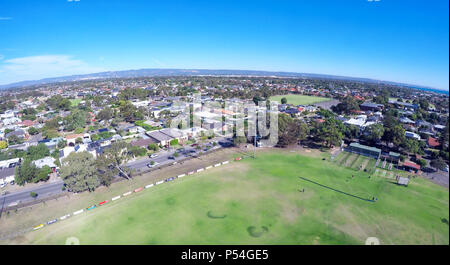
337 190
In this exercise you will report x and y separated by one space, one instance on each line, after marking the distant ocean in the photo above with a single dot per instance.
445 92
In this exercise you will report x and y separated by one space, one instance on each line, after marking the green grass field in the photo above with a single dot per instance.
258 202
75 102
299 99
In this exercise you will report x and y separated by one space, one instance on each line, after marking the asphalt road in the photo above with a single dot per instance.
24 195
50 189
163 158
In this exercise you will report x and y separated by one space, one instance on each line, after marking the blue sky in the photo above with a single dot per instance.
402 41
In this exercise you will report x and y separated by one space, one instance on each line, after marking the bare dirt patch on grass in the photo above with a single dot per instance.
351 226
364 164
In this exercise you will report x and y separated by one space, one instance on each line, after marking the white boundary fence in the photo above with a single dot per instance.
78 212
130 192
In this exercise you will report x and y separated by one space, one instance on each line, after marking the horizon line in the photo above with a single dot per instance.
203 69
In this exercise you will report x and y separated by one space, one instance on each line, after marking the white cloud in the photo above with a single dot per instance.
5 18
1 57
43 66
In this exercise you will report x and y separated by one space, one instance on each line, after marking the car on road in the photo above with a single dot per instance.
153 155
171 157
225 144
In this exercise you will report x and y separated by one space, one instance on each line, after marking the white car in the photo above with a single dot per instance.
153 155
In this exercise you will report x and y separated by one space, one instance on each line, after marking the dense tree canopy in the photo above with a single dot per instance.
79 172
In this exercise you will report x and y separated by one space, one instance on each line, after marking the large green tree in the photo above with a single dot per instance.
374 133
112 162
129 112
395 135
105 114
25 172
347 105
438 163
290 130
79 172
77 119
331 132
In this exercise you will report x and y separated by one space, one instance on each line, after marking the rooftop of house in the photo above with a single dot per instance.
432 142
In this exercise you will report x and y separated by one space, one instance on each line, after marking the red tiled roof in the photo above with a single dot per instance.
432 142
27 123
411 164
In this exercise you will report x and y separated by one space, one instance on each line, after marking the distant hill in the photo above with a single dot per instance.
204 72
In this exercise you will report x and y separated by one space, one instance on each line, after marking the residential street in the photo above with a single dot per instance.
50 189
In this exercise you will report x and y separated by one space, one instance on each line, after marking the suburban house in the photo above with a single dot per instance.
432 142
19 133
46 161
71 138
10 163
412 135
175 134
159 137
370 106
63 153
193 132
143 142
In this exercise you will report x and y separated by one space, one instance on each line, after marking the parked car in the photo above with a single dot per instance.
171 157
153 155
